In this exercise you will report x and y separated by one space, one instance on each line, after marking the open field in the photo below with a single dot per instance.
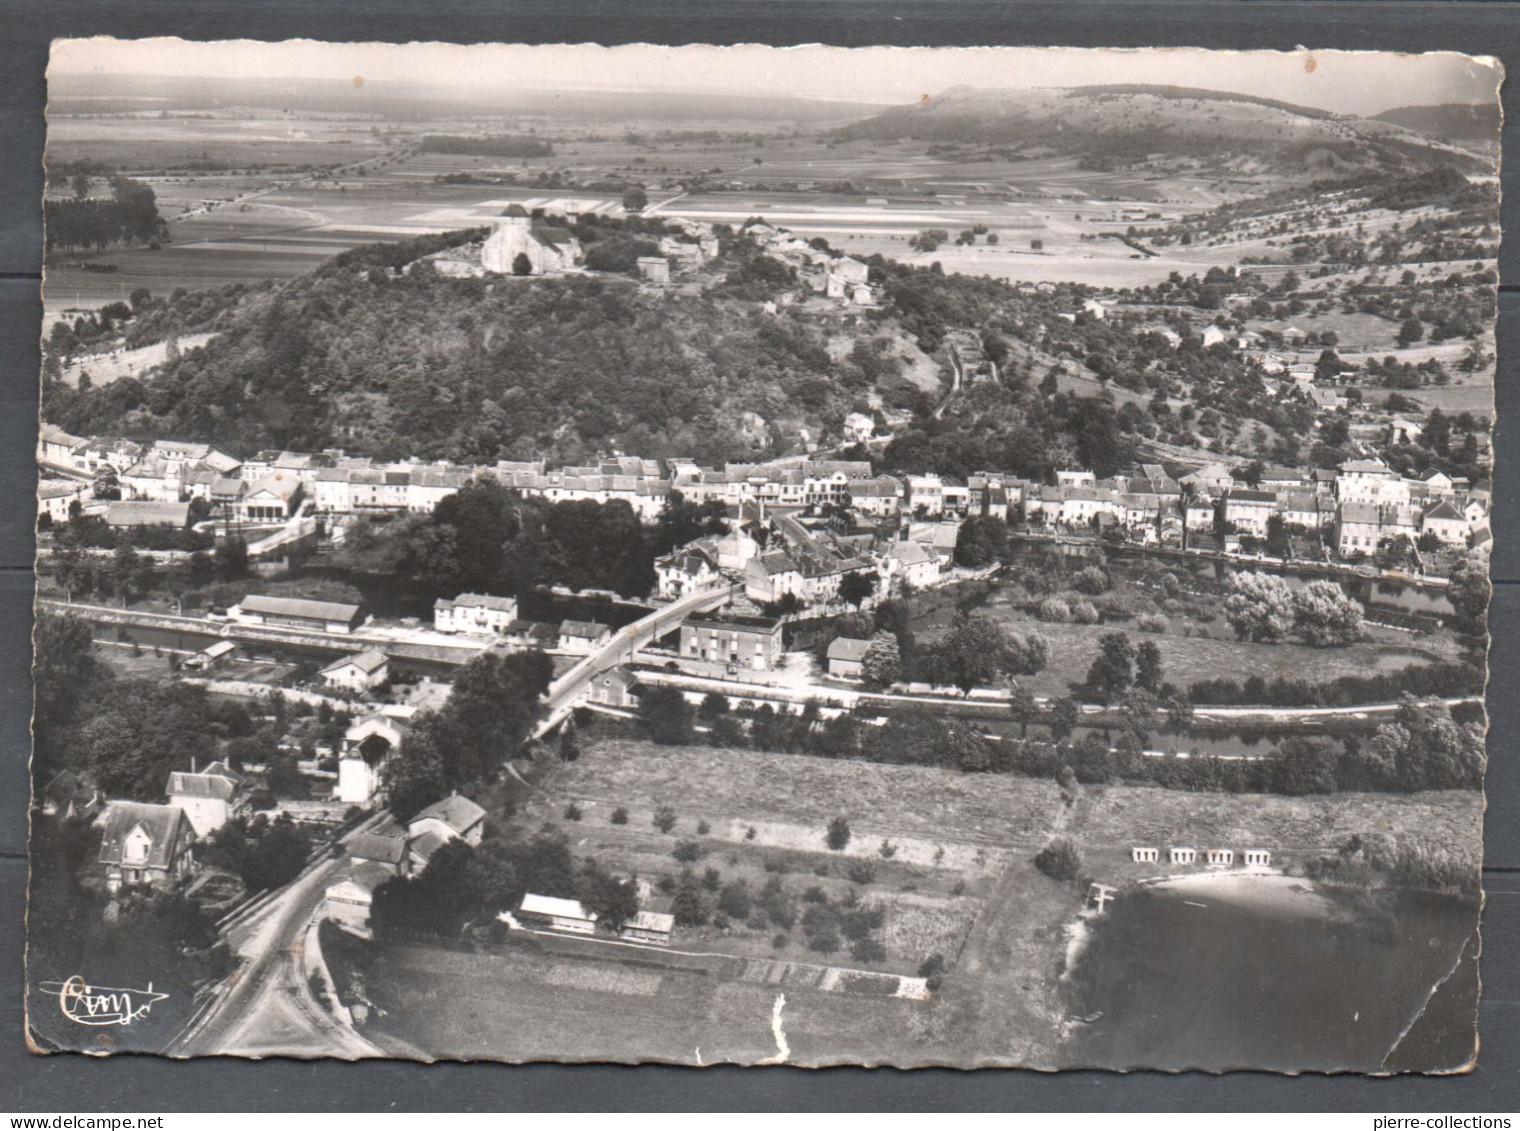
1001 1001
1187 659
525 1003
900 802
292 221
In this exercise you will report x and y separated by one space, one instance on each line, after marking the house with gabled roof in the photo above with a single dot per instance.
71 796
360 672
145 845
210 797
1446 522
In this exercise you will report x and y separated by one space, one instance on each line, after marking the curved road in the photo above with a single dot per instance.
264 1007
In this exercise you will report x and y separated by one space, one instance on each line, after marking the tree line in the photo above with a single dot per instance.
129 216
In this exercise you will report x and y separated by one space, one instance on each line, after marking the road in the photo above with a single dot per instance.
265 1007
569 690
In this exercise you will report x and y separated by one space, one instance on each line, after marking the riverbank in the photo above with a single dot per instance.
1259 969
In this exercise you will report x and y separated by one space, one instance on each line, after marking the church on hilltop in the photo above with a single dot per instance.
548 250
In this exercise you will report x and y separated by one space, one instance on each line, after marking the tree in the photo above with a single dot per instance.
521 264
1323 614
613 901
689 905
635 199
664 818
838 836
1305 765
1410 331
1061 860
1023 708
857 587
881 666
1469 588
231 557
1114 669
976 650
981 541
1148 671
667 716
1062 718
1259 607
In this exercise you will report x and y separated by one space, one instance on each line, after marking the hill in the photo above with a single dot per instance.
1454 121
1161 128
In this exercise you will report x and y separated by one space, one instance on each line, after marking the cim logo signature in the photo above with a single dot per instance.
101 1005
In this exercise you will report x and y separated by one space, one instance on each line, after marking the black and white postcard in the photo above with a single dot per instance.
764 556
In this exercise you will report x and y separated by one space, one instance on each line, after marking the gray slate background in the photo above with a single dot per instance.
30 1084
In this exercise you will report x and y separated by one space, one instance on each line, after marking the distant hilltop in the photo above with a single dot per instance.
1456 121
1134 126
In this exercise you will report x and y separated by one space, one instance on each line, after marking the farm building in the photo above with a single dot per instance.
556 914
649 927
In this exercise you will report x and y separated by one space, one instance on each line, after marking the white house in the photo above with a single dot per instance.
209 798
367 745
474 613
360 672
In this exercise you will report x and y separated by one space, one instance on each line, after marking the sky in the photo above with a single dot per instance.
1363 83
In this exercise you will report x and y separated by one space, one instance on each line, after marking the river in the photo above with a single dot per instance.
1219 972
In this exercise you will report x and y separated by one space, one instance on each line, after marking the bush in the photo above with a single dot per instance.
703 828
572 812
862 872
778 942
734 901
1055 610
868 950
1091 580
815 894
1084 612
838 836
1150 622
687 851
1060 860
620 816
712 879
825 941
887 850
664 818
749 833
